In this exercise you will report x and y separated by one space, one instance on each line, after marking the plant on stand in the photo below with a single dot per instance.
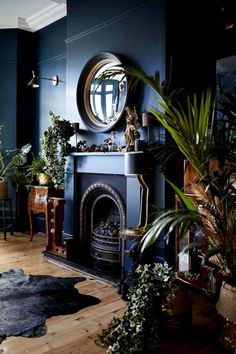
36 171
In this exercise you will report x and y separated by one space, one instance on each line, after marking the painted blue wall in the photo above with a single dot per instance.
15 101
131 29
50 59
8 86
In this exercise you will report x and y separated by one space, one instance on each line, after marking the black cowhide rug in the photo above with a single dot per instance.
26 301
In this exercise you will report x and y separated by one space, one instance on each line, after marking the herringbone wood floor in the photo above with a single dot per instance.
70 334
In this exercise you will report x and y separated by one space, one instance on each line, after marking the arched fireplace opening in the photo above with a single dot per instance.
102 217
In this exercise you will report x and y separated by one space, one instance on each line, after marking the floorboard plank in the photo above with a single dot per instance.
69 334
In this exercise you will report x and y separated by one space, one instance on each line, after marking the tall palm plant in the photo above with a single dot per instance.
191 125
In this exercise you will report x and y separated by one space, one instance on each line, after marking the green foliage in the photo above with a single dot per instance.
55 148
209 147
10 160
189 126
139 328
36 167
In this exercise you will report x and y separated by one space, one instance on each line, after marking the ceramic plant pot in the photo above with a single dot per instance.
44 179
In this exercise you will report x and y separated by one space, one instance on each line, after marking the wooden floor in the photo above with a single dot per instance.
70 334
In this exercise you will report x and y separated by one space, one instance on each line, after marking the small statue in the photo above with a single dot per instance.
131 128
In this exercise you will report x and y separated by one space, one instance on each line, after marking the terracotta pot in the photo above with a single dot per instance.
226 308
3 188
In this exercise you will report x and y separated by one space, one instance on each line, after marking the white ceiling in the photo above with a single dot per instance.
30 15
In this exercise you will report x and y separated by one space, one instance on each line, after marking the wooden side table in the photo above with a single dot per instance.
38 203
6 218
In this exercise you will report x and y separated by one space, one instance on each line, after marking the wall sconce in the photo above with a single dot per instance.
34 81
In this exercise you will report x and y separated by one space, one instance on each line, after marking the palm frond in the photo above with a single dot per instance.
166 222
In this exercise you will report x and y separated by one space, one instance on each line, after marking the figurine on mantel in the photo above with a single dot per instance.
131 131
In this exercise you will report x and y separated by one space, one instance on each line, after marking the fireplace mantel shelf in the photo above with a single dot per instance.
121 163
106 153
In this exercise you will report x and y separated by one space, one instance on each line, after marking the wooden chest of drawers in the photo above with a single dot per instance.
38 203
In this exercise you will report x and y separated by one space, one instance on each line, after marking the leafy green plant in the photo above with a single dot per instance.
12 159
36 167
189 123
55 148
208 144
139 329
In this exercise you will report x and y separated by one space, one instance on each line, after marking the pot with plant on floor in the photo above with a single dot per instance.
151 301
208 145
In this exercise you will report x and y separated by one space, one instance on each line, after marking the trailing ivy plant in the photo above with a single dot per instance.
55 148
140 327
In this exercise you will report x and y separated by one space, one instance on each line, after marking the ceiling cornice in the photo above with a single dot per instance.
56 10
47 16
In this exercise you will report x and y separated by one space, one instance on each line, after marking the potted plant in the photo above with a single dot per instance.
151 300
10 161
208 145
55 148
36 172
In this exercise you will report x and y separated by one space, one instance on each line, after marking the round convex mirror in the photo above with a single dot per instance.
101 102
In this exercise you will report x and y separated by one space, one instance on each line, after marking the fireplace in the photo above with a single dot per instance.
102 201
102 217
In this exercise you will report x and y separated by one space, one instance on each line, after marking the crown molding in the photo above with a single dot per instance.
49 14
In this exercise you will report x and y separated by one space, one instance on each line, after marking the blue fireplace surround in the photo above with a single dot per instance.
107 176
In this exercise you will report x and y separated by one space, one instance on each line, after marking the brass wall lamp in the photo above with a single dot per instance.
34 82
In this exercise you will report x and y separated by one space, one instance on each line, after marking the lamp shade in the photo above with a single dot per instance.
148 120
138 163
75 126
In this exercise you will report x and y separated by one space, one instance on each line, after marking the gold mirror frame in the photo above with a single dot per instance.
90 72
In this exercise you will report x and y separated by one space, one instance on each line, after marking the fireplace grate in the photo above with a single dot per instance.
105 243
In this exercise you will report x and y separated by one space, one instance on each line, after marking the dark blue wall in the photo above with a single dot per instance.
131 29
8 87
50 59
15 100
64 47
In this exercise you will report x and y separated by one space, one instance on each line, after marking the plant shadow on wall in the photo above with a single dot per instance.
207 143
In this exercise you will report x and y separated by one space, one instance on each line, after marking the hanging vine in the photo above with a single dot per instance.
55 148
